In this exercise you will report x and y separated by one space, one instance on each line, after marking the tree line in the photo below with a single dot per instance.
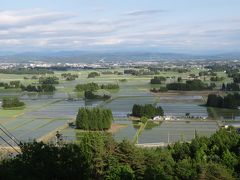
236 78
49 80
231 101
140 72
216 78
46 84
94 86
39 88
157 70
12 102
147 110
161 89
11 84
109 86
25 71
207 73
157 80
94 95
230 87
189 85
94 119
99 156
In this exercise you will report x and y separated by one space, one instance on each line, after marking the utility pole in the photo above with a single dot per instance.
168 137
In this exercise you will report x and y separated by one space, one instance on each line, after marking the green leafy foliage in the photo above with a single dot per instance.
94 95
147 110
87 87
161 89
190 85
98 156
39 88
49 80
69 76
216 78
94 86
12 102
93 74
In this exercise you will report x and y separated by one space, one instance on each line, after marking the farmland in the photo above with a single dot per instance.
45 113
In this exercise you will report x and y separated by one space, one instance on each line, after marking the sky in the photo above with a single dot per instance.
180 26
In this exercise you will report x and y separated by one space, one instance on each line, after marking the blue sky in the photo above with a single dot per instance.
188 26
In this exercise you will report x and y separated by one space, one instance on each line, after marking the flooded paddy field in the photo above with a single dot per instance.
177 131
121 107
44 113
180 109
40 117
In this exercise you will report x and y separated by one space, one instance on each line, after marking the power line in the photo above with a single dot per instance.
9 136
9 132
9 144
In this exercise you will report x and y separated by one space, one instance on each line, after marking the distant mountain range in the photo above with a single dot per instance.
87 56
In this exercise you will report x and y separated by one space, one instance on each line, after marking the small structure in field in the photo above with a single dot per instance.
157 118
167 118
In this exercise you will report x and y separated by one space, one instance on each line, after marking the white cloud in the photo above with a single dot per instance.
11 19
57 30
144 12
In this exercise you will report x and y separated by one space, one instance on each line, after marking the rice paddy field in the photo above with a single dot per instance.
46 113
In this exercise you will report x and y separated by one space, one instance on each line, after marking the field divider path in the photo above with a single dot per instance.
139 131
219 122
45 138
34 129
32 110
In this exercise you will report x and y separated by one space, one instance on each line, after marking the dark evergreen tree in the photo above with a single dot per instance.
223 87
94 119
